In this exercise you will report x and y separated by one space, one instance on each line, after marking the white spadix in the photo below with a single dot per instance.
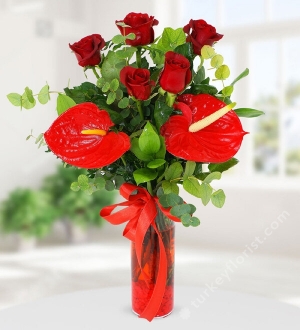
195 127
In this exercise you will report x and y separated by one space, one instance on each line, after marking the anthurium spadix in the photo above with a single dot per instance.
207 131
81 137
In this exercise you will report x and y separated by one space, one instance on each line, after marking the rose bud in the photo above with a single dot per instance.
201 34
137 82
87 50
176 73
139 24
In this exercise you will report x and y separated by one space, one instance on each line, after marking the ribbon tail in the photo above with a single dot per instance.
159 289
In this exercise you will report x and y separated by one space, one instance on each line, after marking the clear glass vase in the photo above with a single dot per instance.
142 286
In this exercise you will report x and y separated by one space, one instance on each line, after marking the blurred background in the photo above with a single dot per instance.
67 247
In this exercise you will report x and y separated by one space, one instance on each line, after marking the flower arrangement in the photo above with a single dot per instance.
154 119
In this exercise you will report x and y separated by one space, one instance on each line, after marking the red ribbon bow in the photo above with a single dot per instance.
140 213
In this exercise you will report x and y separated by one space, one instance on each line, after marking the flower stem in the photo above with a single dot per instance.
138 58
149 188
123 160
140 108
201 63
170 99
95 72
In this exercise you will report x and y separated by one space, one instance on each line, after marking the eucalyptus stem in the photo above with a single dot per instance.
140 108
95 72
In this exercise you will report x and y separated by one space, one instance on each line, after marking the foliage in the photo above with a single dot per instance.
27 212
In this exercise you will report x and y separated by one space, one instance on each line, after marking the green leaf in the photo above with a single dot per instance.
119 180
205 193
118 39
149 141
199 76
64 102
222 72
179 210
212 176
75 186
221 167
170 187
114 85
186 220
29 95
156 163
112 66
123 103
189 169
99 182
39 138
217 61
26 103
44 95
111 98
106 87
135 148
218 198
15 99
162 150
109 185
207 52
119 94
194 222
174 171
248 112
126 52
83 182
204 89
242 75
192 186
162 113
186 50
172 38
144 175
130 36
227 91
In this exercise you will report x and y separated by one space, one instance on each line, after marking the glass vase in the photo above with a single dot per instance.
144 277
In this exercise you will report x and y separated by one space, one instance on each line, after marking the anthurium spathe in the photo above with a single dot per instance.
217 142
81 137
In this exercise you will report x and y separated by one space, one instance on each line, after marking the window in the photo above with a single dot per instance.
267 40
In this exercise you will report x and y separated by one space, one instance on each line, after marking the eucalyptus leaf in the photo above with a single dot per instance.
44 95
192 186
222 72
218 198
174 171
205 193
15 99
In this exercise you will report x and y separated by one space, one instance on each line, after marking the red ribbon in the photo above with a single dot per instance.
140 213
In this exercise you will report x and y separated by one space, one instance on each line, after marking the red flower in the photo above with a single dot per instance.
87 50
176 73
139 24
80 137
202 34
216 143
137 82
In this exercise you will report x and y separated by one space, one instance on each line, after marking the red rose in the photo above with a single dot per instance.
87 50
137 82
139 24
202 34
176 73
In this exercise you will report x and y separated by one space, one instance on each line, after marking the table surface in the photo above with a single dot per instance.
110 308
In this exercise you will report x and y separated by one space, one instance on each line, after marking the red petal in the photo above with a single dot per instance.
65 139
215 143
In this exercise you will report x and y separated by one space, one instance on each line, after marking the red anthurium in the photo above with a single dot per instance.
217 142
81 137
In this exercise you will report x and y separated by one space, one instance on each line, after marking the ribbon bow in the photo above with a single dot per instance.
140 213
